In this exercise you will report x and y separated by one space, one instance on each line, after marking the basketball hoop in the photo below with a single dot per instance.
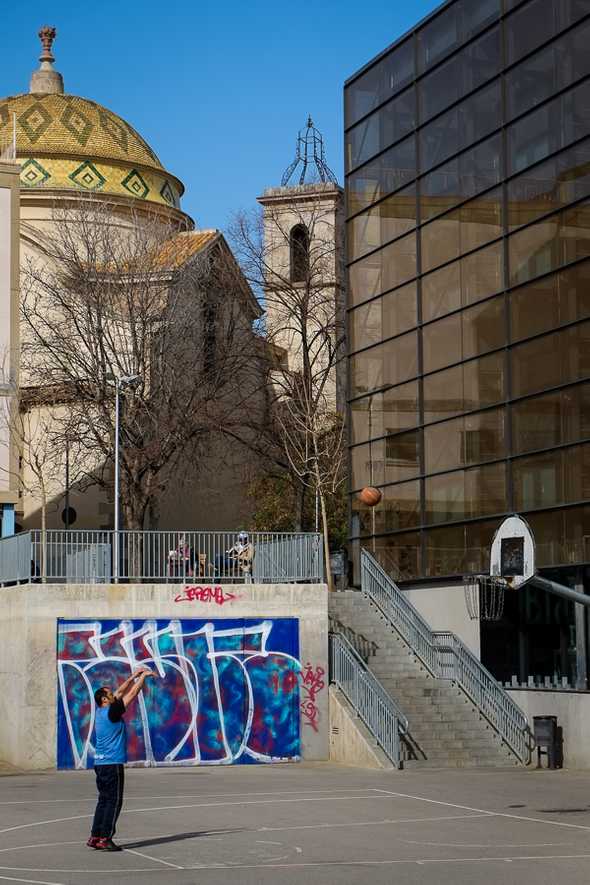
484 597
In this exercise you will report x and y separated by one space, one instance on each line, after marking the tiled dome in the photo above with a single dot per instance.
72 143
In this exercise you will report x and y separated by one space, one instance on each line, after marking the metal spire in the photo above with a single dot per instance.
310 159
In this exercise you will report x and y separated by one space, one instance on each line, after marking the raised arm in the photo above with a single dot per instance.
125 685
132 693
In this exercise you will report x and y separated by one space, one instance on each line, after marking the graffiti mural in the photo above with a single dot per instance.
227 691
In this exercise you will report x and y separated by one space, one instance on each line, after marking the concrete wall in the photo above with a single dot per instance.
28 622
443 608
572 709
350 742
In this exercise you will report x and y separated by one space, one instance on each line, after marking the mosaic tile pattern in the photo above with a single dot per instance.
152 186
66 124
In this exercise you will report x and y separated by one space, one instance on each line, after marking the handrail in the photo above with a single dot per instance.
446 657
372 704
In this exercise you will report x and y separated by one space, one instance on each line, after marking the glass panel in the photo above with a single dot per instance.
561 536
555 125
552 478
453 26
383 270
547 71
382 176
553 419
560 358
390 123
397 554
381 461
399 508
464 441
468 69
464 335
536 22
551 302
464 388
563 179
379 83
462 230
466 494
381 319
472 278
471 172
469 121
545 246
459 550
387 364
385 413
384 222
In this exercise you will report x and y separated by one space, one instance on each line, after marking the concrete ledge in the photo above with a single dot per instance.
351 743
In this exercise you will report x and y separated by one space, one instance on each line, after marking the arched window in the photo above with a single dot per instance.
299 243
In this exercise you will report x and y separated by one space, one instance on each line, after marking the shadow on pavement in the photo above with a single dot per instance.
179 837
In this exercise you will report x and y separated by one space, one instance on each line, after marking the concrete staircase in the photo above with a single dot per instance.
446 728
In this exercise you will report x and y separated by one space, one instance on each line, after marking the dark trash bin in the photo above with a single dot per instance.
549 740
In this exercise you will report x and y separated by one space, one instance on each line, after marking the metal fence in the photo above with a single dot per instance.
446 657
15 558
372 704
87 557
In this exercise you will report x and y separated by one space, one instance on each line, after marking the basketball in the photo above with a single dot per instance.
370 496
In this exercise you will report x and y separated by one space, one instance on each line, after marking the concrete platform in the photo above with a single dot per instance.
304 823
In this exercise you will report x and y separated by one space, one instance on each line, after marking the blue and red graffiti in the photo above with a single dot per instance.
228 690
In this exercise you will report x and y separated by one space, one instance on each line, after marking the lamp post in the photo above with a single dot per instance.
120 383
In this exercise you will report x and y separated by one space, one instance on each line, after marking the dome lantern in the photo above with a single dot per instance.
47 80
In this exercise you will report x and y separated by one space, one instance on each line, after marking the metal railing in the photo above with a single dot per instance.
446 657
15 558
370 701
87 557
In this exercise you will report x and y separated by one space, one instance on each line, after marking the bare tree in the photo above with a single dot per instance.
291 255
114 295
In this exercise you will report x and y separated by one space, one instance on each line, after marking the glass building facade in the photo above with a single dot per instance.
467 148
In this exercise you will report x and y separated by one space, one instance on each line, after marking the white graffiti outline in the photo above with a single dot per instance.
148 633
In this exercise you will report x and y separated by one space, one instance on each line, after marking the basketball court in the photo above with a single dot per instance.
303 823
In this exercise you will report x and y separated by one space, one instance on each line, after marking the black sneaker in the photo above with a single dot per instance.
107 845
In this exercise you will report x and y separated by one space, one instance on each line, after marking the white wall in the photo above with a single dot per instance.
572 709
28 635
443 608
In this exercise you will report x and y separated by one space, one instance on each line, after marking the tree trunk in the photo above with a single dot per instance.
43 563
329 578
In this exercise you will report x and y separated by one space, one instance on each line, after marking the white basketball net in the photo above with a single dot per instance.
484 597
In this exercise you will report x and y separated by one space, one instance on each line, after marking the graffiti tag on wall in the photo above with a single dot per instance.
227 692
312 683
205 594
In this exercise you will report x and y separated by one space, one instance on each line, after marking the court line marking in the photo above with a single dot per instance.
33 881
325 863
59 820
370 823
194 796
156 859
536 820
261 830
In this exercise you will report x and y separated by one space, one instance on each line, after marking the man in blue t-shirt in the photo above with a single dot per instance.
110 757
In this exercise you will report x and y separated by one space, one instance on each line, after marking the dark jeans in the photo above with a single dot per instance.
110 781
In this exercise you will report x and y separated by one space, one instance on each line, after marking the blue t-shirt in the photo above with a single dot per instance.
111 738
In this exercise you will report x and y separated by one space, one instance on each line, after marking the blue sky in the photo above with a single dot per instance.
219 89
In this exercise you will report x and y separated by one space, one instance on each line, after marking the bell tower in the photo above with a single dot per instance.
303 225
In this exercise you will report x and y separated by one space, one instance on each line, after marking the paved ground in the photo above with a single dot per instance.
298 824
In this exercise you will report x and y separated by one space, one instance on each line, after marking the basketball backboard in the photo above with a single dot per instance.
512 556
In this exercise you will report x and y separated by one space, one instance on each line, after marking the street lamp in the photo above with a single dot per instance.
120 384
